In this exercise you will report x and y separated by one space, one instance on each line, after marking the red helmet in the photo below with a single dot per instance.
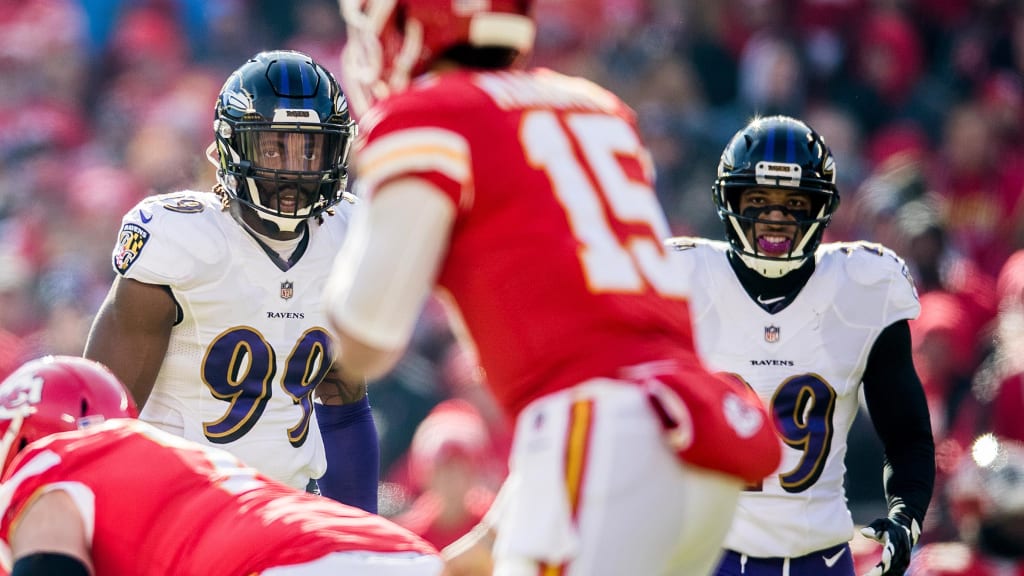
392 41
56 394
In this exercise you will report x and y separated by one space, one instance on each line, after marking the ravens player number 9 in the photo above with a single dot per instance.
808 325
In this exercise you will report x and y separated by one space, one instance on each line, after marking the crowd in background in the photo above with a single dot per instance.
103 102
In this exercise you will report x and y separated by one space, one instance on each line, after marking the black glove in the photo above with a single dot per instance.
897 534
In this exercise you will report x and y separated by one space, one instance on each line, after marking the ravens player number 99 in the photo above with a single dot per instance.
214 319
808 325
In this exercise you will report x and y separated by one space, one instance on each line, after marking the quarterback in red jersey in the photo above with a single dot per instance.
87 489
526 197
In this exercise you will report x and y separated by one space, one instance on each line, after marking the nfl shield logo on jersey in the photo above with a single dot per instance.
771 333
287 290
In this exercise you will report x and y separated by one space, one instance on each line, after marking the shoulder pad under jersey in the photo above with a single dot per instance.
697 258
869 263
170 239
877 271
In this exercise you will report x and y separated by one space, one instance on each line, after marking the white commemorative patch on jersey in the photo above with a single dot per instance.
130 242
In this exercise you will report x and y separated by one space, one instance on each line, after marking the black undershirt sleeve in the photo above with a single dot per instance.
179 314
899 412
49 563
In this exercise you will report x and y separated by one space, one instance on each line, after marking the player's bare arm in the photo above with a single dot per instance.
51 534
131 332
363 361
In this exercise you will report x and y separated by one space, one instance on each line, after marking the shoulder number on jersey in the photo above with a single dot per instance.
182 204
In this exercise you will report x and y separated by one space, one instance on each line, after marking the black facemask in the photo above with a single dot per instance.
753 213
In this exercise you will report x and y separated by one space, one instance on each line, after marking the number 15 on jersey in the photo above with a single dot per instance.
583 155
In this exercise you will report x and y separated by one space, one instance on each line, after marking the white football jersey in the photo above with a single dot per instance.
806 363
253 340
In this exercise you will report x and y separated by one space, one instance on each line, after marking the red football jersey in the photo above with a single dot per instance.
556 261
156 504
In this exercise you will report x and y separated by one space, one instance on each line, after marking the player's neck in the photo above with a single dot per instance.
261 227
772 294
282 244
284 248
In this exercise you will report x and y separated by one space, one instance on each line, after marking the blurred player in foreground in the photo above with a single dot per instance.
804 324
526 196
89 490
214 320
987 496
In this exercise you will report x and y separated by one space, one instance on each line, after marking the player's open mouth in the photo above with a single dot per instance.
287 202
774 245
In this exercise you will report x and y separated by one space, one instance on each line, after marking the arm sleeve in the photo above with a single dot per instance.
899 412
43 563
353 454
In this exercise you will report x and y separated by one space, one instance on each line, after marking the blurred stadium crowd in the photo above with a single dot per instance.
922 102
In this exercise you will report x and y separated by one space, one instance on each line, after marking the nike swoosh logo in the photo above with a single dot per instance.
145 216
830 561
770 300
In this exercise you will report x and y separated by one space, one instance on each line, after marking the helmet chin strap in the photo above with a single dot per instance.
771 268
283 224
765 265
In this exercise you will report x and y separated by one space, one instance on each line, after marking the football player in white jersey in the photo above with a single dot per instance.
808 326
214 318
